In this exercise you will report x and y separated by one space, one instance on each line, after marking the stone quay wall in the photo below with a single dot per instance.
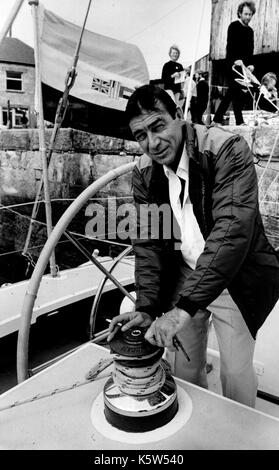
78 159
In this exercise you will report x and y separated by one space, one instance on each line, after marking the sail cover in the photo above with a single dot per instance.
108 71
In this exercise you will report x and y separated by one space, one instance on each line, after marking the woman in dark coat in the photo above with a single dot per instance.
170 71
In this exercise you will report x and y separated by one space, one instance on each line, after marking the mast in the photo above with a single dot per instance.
34 7
59 117
194 63
12 16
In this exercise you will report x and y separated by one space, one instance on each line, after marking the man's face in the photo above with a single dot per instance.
246 15
159 135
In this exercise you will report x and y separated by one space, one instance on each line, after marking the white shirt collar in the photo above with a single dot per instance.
182 169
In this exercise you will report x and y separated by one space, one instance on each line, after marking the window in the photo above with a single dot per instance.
14 80
18 117
5 117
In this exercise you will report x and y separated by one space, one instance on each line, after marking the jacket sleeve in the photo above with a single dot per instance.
234 210
232 51
250 59
149 259
235 51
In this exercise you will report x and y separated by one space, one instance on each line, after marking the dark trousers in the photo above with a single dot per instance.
192 108
234 95
200 109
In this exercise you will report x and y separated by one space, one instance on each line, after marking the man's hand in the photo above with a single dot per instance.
130 319
162 330
251 68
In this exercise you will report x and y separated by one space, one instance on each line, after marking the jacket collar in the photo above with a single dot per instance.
157 176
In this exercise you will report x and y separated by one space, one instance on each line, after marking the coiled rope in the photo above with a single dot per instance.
139 381
132 381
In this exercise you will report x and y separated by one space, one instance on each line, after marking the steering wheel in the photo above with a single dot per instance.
34 283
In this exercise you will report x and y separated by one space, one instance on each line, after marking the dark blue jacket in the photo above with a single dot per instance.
237 255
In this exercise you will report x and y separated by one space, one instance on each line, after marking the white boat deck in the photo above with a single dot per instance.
62 421
70 286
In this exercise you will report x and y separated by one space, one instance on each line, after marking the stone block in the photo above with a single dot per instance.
132 147
269 199
245 131
103 164
266 141
84 141
68 140
262 138
15 139
63 142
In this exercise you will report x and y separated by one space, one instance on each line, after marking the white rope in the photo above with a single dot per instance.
92 375
139 381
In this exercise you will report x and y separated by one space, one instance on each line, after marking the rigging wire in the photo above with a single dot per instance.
263 166
155 22
2 207
269 160
248 79
268 189
80 235
35 247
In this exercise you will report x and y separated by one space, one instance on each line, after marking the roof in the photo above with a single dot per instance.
14 51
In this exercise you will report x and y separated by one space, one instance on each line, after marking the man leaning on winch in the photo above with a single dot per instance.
219 261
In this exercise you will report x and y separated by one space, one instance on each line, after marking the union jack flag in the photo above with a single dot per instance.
108 87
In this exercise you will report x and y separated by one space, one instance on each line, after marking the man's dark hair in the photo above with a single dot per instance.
147 97
250 5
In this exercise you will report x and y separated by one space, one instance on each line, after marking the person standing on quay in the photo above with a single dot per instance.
240 47
172 69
